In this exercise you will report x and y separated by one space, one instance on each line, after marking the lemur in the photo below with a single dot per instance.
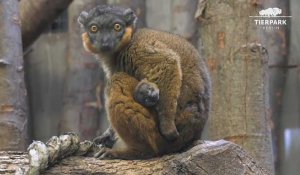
158 87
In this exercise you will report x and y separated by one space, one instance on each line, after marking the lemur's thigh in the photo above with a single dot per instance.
135 124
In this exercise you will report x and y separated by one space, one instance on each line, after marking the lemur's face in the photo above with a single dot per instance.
107 28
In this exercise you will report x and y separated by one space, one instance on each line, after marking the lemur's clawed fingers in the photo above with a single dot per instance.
104 153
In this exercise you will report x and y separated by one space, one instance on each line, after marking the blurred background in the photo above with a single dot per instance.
65 84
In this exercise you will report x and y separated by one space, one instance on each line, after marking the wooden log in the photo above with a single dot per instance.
218 157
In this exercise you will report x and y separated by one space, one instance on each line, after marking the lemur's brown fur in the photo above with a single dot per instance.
174 65
137 125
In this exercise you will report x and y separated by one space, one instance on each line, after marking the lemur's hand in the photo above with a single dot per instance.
107 139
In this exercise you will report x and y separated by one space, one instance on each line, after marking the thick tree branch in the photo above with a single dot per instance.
219 157
36 15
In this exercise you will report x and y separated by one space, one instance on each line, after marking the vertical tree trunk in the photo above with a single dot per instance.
238 65
81 108
45 68
174 16
45 63
289 118
13 96
37 15
277 43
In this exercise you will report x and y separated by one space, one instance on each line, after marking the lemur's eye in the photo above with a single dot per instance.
117 27
94 28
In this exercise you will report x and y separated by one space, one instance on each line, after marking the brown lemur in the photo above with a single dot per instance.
158 87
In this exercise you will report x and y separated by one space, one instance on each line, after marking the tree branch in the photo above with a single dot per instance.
36 15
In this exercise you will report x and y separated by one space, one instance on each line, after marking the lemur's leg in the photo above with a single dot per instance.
135 125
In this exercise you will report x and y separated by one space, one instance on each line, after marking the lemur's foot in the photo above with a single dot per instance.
169 131
146 93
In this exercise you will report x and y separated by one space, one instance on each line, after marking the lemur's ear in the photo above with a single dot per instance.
130 17
82 18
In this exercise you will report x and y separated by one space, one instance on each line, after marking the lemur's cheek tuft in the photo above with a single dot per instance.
88 46
126 37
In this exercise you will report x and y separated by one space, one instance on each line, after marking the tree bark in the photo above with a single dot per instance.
13 95
238 67
37 15
220 157
81 109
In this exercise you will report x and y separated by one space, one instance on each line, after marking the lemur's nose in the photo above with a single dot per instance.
104 39
105 46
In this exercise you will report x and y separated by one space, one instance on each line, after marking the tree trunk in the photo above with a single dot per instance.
289 118
174 16
81 110
220 157
37 15
238 66
13 95
45 68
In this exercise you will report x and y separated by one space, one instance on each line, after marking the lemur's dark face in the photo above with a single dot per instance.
107 28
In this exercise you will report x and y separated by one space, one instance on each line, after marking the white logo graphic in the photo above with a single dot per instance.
270 12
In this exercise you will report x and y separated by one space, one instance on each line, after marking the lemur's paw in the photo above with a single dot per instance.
107 139
146 93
